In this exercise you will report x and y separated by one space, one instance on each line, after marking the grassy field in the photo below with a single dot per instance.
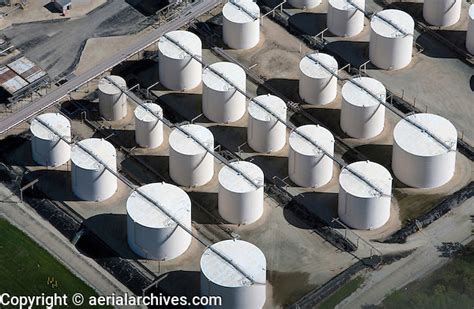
342 293
28 269
452 286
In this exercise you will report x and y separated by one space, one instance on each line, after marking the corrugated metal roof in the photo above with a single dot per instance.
27 69
10 81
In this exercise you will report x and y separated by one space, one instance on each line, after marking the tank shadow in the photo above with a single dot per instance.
144 71
55 184
231 137
273 167
415 9
147 7
309 23
434 49
287 87
321 204
105 228
328 117
187 105
125 138
157 168
354 52
178 283
205 209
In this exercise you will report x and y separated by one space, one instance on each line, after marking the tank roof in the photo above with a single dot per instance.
418 142
246 255
107 87
315 70
184 144
375 173
234 182
100 148
399 18
321 136
144 115
355 95
236 14
56 121
171 198
273 103
188 39
345 5
230 70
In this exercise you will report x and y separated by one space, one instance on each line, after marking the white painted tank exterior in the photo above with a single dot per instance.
148 127
470 31
389 49
112 101
90 180
361 206
344 19
301 4
177 70
220 101
307 165
442 13
318 86
218 278
150 233
241 30
47 148
264 132
239 201
362 115
418 160
191 164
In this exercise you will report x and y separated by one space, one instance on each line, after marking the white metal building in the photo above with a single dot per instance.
241 201
360 205
391 39
150 232
47 148
191 164
219 278
419 160
241 24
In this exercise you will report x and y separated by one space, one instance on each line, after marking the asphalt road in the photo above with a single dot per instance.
59 93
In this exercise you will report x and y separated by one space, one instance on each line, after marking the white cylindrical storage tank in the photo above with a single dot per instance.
363 206
47 148
219 278
221 102
362 114
442 13
150 232
344 19
91 181
470 31
241 24
390 48
112 101
148 127
302 4
239 200
264 132
317 85
419 160
307 164
190 163
177 70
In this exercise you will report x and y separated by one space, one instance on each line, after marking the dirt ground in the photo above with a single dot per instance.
43 10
